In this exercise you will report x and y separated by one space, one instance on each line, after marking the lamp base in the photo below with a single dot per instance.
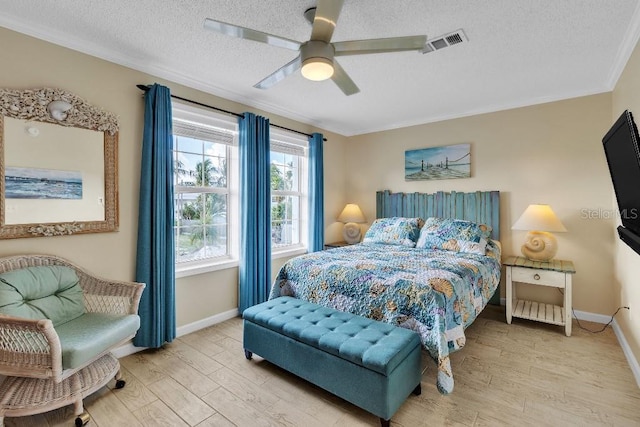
540 246
351 233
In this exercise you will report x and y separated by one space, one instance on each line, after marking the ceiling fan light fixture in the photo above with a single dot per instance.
317 69
316 58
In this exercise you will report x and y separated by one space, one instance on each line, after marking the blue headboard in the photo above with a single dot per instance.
480 206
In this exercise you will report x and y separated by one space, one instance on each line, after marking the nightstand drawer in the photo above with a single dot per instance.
538 277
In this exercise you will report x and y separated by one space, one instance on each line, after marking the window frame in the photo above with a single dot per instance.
200 116
292 143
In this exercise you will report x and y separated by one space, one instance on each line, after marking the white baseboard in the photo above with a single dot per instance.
604 319
206 322
129 348
591 317
633 362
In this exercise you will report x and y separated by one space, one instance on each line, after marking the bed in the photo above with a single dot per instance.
436 292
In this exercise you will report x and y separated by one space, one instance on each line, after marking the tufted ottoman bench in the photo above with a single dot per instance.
371 364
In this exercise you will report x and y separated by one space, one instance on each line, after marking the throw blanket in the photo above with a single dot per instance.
435 293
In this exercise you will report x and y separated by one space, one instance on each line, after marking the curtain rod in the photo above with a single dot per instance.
145 88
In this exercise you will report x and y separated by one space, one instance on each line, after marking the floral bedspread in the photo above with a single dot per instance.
436 293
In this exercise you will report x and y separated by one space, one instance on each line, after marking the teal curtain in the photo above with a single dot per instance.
255 211
155 256
316 193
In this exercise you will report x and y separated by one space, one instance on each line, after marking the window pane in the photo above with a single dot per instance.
291 178
201 226
289 159
200 163
212 171
215 208
187 207
277 178
214 149
285 223
284 176
187 248
196 242
277 158
185 168
189 145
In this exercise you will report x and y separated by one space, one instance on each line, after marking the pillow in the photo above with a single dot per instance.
394 231
42 292
486 230
454 235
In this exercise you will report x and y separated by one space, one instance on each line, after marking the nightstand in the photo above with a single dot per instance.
335 245
555 273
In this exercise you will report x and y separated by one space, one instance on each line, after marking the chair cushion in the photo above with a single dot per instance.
377 346
43 292
91 334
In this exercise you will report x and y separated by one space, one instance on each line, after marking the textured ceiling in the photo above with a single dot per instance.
520 52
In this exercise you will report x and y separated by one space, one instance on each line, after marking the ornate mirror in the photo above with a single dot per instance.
58 165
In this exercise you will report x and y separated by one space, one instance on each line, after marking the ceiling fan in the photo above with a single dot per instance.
317 56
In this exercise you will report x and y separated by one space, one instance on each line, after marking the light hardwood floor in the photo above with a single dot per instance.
522 374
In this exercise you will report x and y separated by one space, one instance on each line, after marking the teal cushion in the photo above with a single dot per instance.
44 292
85 337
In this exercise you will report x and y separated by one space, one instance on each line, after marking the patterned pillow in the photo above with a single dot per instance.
455 235
394 231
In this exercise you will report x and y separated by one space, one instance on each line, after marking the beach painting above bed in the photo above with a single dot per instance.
447 162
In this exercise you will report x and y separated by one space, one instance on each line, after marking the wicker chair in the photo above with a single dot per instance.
31 355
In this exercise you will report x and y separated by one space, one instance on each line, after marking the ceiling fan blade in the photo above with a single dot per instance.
393 44
249 34
279 74
342 79
325 20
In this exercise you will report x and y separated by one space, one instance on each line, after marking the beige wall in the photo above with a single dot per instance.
626 96
31 63
549 153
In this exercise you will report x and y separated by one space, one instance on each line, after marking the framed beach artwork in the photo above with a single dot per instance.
447 162
32 183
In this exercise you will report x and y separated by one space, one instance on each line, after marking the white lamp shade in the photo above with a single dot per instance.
539 218
351 213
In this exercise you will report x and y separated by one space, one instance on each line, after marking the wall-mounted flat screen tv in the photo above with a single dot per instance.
623 158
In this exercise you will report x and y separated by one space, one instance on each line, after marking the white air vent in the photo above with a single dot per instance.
445 40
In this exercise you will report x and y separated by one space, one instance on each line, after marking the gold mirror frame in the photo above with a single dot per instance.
31 104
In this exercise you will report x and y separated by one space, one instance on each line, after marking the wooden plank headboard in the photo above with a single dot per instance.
481 206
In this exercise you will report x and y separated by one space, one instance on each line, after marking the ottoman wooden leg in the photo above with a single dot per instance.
385 423
248 354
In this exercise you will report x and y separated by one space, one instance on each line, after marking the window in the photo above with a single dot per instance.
205 153
206 190
288 191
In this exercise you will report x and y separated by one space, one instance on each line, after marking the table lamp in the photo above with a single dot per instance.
539 221
351 215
